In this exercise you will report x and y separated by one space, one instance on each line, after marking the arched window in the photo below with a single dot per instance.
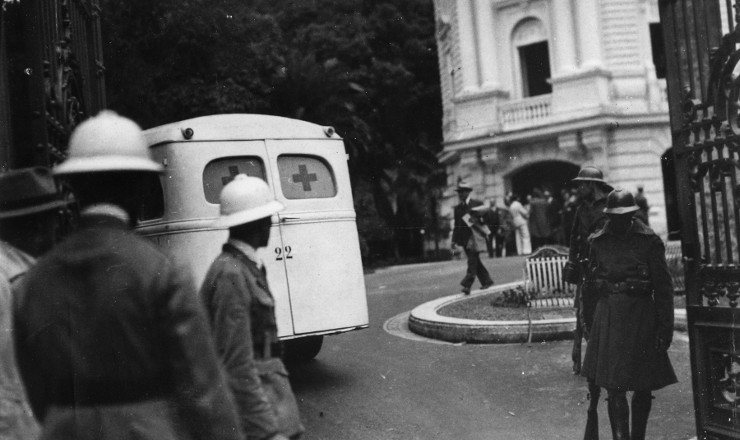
529 39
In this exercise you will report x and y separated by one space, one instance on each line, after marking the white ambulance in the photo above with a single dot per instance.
313 259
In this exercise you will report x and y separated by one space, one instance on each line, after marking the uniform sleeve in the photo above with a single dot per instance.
662 284
202 395
229 310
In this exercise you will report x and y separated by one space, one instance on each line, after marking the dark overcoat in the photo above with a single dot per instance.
461 232
242 314
621 352
113 343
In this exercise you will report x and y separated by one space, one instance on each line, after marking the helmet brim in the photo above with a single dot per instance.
248 215
98 164
621 210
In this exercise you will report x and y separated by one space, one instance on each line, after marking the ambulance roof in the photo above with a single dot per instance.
233 127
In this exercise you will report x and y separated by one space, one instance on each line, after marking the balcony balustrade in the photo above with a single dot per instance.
525 113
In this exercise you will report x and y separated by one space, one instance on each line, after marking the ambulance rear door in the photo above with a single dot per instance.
320 244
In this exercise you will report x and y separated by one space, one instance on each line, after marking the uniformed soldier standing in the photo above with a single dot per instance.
112 340
589 218
632 326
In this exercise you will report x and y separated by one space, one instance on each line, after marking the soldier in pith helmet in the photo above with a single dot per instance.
589 217
632 328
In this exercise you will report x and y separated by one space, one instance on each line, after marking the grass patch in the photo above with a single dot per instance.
488 307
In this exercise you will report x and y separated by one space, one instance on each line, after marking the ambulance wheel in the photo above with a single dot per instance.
303 349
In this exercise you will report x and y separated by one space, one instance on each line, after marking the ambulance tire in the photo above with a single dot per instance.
301 350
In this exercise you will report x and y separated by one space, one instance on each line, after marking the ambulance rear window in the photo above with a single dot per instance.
305 177
221 171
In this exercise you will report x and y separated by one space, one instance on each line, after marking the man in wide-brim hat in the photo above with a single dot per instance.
29 204
468 227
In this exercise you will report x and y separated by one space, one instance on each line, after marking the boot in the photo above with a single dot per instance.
592 420
619 415
642 401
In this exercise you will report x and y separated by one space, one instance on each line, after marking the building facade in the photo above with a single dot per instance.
534 89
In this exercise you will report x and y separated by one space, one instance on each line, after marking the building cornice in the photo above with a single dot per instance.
554 129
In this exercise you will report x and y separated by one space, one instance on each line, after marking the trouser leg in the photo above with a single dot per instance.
499 245
619 415
577 337
592 420
642 402
483 276
471 270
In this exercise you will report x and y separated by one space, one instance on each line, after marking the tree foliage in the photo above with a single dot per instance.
368 68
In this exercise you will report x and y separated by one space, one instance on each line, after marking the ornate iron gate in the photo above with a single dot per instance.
703 64
51 79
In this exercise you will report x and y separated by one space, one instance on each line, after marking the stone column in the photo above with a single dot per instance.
563 36
589 37
487 58
466 27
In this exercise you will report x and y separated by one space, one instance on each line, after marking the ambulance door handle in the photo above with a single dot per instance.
285 219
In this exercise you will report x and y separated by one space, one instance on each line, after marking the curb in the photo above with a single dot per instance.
425 321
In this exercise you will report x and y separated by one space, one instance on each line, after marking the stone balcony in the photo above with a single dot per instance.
525 113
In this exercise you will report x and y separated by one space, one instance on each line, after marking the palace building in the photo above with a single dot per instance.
534 89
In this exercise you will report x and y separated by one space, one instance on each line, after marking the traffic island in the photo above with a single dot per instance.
544 325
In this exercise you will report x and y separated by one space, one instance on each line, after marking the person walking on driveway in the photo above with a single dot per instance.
632 326
242 309
112 339
469 232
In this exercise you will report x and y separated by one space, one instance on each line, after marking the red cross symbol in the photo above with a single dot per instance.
304 177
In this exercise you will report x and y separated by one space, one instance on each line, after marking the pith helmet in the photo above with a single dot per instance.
591 174
463 186
620 201
244 200
28 191
107 142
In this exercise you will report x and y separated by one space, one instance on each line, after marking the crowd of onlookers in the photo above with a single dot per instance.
542 217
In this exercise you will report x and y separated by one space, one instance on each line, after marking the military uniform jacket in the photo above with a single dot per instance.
242 313
621 351
589 218
113 343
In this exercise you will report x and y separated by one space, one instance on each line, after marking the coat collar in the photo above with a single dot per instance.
248 251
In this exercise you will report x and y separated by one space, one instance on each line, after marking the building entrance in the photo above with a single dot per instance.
548 175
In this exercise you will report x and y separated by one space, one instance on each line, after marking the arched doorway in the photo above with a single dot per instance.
550 175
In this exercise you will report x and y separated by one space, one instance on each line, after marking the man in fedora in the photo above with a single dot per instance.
29 206
468 227
242 309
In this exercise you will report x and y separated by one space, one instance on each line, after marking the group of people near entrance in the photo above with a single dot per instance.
110 339
624 299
